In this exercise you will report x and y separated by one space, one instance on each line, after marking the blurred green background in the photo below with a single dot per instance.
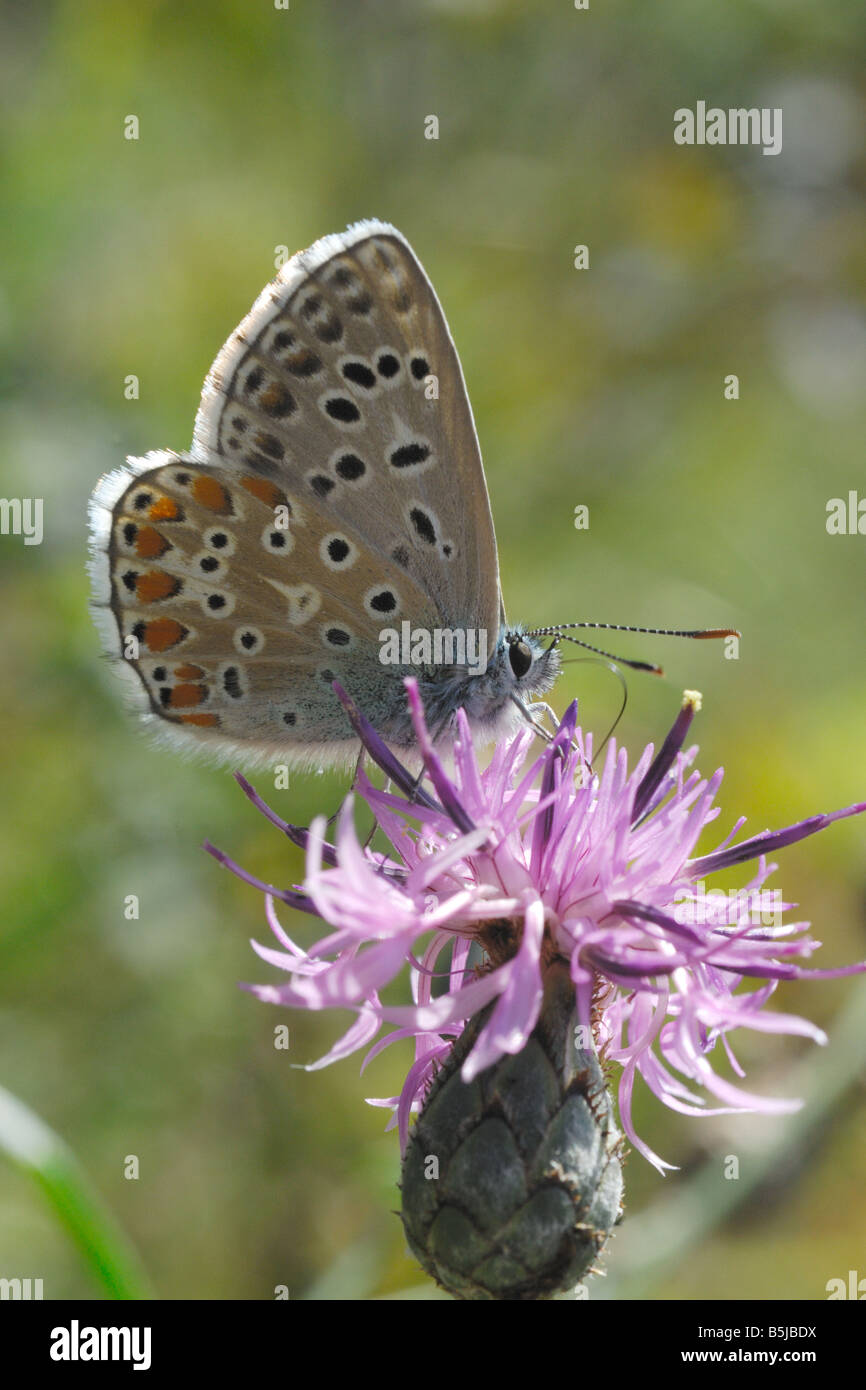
261 128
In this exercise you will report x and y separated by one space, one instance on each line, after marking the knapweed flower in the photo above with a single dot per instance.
562 905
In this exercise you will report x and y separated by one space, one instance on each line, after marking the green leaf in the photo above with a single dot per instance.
34 1147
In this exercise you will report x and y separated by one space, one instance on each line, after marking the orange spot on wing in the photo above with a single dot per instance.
188 672
156 585
162 633
266 492
164 509
149 544
182 696
211 494
205 721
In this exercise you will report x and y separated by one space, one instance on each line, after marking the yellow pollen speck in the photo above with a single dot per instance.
693 698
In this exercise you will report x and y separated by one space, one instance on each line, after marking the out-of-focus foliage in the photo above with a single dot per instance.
261 128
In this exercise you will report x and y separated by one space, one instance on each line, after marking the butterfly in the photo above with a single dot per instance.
330 522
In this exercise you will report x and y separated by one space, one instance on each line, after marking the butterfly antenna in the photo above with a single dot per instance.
610 656
701 634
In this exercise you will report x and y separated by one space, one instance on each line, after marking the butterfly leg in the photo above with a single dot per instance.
436 737
542 707
416 784
529 712
375 826
358 765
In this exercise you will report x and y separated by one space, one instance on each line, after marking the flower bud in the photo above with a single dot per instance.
512 1183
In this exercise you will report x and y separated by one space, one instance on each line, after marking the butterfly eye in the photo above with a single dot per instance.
520 656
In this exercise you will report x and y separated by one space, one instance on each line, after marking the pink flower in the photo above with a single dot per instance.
495 875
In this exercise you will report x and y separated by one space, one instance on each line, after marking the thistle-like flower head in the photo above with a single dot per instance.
496 876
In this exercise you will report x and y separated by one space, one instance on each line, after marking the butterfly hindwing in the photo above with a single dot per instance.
237 605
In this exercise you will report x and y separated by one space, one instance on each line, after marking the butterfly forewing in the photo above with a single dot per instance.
344 380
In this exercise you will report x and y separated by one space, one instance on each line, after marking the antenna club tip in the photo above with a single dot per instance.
713 632
693 700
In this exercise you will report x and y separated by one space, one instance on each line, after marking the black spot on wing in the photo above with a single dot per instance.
423 525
